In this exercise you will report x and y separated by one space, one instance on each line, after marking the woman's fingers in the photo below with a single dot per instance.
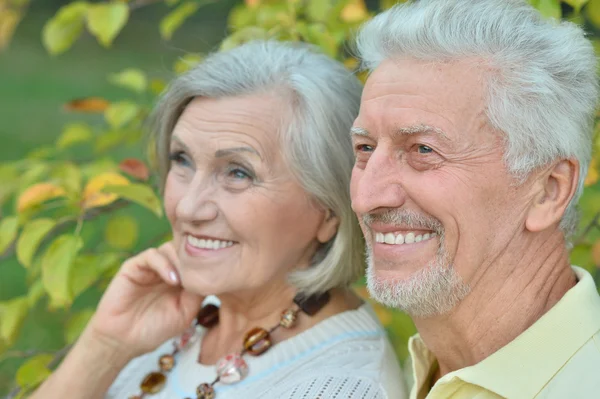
150 267
168 250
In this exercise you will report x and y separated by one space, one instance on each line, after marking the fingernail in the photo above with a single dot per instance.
173 277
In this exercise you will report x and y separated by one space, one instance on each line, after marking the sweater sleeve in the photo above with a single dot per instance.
333 387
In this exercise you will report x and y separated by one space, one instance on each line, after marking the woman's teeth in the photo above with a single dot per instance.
398 239
208 244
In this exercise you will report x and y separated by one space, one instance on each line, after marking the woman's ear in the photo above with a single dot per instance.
328 227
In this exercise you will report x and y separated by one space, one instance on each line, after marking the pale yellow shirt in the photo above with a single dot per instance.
558 357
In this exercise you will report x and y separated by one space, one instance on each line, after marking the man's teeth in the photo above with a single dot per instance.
208 244
397 239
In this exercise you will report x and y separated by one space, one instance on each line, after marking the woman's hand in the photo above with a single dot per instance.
144 304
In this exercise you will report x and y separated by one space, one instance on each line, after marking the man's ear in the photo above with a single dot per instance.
328 226
557 186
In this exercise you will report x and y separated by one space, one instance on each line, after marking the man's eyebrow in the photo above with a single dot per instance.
228 151
359 131
422 129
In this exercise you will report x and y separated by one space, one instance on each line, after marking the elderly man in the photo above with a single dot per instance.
472 144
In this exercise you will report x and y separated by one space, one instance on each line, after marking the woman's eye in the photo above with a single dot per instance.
423 149
179 158
239 173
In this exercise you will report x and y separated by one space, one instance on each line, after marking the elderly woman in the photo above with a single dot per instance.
255 156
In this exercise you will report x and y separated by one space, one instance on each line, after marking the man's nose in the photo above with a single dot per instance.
379 185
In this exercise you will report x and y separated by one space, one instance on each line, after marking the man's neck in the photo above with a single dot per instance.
507 297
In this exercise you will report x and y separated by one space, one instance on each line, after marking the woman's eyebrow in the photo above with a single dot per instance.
228 151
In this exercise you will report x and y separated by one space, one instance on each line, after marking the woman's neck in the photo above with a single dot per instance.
241 312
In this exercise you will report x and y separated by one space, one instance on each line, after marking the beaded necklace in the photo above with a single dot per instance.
232 368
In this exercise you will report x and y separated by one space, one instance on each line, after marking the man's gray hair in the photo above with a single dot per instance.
324 99
542 86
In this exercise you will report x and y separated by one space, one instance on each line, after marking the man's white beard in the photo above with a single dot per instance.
433 290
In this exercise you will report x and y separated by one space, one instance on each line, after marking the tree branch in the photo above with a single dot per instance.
65 223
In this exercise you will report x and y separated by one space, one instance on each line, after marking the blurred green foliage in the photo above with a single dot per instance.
77 205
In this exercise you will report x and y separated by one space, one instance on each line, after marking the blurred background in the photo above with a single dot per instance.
74 94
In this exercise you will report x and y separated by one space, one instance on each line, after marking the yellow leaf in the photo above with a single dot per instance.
93 195
56 269
592 11
592 176
74 133
157 86
32 235
91 105
8 231
241 17
76 325
242 36
105 21
383 314
354 11
64 28
176 18
140 194
12 314
121 232
131 78
119 114
37 194
9 19
34 371
187 62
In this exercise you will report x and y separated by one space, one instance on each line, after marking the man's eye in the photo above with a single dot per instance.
423 149
364 148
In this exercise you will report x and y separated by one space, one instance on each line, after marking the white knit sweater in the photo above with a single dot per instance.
345 356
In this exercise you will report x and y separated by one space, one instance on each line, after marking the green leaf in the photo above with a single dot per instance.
74 133
34 371
35 293
121 232
105 21
318 10
9 176
550 8
242 36
241 17
187 62
119 114
32 235
140 194
130 78
61 31
12 315
8 231
98 167
68 176
76 325
176 18
56 269
576 4
88 268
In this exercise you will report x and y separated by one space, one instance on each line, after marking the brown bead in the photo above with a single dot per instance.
135 397
257 341
288 318
166 362
153 382
312 304
205 391
208 316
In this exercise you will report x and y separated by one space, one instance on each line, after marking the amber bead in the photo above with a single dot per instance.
135 397
208 316
166 362
288 318
312 304
257 341
205 391
153 382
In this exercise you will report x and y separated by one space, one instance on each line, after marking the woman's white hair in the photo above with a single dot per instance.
324 99
542 88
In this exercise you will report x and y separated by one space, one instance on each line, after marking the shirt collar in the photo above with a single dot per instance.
524 366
